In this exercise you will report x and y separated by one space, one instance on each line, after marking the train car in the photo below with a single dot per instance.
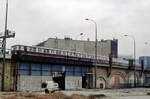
58 53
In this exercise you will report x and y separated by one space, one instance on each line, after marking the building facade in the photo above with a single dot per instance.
104 47
146 61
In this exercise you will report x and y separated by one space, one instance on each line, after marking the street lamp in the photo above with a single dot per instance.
76 39
79 35
134 58
95 49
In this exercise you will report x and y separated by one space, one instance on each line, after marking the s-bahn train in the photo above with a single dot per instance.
58 53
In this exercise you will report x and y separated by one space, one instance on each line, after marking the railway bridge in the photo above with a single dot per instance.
31 68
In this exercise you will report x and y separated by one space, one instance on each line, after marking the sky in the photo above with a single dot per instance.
35 21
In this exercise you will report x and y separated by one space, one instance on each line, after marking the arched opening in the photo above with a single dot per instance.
131 79
117 80
101 83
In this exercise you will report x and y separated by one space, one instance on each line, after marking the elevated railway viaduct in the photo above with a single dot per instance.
30 69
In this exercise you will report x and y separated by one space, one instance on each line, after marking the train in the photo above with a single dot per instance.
36 50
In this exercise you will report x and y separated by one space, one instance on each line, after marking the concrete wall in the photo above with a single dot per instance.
31 83
118 78
73 82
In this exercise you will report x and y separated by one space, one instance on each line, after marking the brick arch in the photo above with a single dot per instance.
122 73
117 79
130 77
101 82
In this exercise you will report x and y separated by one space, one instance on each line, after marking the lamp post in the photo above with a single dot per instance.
75 46
95 49
134 58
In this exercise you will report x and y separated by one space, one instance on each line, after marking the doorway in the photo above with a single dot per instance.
60 79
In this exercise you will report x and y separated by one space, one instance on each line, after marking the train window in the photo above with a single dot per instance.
80 55
83 55
46 51
88 56
93 57
52 52
77 54
70 53
64 53
25 48
39 49
19 47
98 57
14 48
34 49
58 52
74 54
30 49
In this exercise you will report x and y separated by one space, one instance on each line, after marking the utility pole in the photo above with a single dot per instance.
7 34
4 48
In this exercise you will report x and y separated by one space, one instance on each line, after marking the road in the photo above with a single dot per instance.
134 93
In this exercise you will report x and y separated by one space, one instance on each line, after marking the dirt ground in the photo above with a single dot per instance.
136 93
57 95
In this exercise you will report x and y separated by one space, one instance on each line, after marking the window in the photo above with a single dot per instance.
80 55
19 47
39 49
69 70
24 69
46 73
35 73
46 51
69 73
56 68
64 53
14 48
75 54
24 66
58 52
52 52
34 49
77 70
83 56
30 49
25 48
24 72
36 69
71 53
77 73
46 70
46 67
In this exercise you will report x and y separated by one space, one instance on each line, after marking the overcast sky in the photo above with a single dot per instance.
37 20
